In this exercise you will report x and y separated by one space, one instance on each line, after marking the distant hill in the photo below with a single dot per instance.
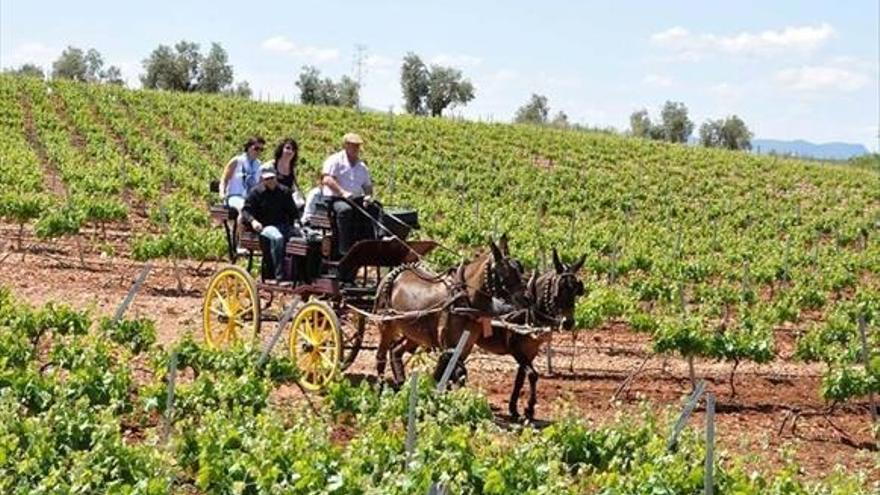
832 151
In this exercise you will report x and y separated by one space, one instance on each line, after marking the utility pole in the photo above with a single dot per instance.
360 51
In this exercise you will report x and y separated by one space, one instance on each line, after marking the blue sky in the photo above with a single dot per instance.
798 69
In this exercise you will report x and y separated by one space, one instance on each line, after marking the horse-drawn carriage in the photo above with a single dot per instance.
485 302
328 327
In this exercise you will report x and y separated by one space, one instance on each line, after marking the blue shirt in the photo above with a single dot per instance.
245 176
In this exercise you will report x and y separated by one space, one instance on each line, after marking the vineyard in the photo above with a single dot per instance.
714 263
88 413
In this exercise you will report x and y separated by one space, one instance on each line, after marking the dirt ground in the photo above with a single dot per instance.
757 422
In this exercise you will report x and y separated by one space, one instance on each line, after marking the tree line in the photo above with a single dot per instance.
426 90
183 67
675 126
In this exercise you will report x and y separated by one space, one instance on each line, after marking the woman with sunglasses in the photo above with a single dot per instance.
241 174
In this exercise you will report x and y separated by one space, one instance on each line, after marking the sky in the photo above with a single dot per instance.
790 69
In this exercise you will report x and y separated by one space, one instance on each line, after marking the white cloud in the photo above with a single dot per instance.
790 39
456 60
820 78
31 52
280 44
673 35
657 80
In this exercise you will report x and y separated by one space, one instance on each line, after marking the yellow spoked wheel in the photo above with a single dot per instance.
231 312
316 345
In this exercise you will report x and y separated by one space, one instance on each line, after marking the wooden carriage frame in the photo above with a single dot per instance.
327 329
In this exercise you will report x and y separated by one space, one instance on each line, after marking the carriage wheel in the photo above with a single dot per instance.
231 311
316 344
352 326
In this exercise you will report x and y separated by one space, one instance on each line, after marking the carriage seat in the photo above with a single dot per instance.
221 213
250 240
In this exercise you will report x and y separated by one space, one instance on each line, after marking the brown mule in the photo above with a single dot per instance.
410 289
551 302
553 296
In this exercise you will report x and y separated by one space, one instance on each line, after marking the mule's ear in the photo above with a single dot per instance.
502 244
580 263
556 263
496 253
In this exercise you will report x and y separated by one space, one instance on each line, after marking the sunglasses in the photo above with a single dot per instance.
288 148
258 148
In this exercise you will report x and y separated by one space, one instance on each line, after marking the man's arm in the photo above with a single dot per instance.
250 209
334 186
368 185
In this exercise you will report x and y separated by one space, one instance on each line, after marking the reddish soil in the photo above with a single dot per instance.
756 422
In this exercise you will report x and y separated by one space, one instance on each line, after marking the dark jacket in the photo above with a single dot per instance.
270 206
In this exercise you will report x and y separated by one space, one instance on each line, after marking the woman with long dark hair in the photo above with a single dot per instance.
286 157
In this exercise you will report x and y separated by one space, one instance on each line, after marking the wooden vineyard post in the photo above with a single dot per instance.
679 256
681 299
444 379
685 414
391 177
477 211
411 417
612 275
709 473
173 255
169 403
282 324
786 260
135 287
714 228
865 360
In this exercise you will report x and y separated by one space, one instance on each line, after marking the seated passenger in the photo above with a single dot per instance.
345 177
270 211
241 174
285 162
313 199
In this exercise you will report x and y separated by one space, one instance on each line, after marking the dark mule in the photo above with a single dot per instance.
552 302
410 289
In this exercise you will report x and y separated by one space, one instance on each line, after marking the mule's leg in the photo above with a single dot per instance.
514 395
533 392
382 353
397 362
442 362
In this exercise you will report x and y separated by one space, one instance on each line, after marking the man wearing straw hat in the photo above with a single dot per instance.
346 180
